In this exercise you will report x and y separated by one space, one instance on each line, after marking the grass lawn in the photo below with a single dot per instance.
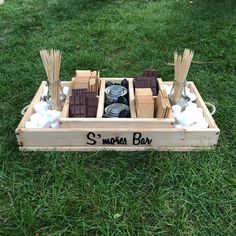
118 193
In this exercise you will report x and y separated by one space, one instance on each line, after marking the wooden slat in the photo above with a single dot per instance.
65 109
131 99
169 137
116 122
126 149
101 100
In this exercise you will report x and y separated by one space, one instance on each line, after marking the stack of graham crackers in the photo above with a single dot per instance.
163 107
144 102
86 79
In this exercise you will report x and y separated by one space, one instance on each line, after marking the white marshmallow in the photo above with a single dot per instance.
183 120
43 123
41 107
66 90
192 96
178 118
202 123
191 109
193 126
178 126
35 117
52 115
186 118
55 124
176 109
205 125
191 104
30 124
202 119
199 112
39 120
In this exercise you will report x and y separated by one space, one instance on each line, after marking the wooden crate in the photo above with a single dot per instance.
123 134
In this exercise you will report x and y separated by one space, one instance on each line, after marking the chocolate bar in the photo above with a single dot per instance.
83 103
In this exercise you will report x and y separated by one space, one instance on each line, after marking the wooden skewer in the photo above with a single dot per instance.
182 65
175 63
52 62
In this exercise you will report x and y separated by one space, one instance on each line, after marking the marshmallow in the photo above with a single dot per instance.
194 126
184 121
41 107
39 120
191 104
192 96
178 126
199 112
43 123
202 122
66 90
30 124
176 109
44 119
192 117
204 125
178 117
35 117
186 118
55 124
52 115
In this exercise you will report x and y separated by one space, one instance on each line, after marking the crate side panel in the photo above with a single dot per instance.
119 138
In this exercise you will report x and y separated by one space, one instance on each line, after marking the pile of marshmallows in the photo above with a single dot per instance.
192 116
43 116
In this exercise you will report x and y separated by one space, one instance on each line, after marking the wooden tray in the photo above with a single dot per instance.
122 134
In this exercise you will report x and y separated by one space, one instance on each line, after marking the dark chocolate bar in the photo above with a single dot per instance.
83 103
151 73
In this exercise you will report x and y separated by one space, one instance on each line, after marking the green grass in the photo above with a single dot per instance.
153 193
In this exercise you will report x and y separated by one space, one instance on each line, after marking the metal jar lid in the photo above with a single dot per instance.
114 109
115 91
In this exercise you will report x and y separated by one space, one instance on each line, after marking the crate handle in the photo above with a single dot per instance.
213 108
24 109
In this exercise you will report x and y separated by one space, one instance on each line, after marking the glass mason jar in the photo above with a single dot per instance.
178 95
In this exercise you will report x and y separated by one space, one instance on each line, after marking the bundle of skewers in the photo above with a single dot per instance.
52 63
48 110
182 65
